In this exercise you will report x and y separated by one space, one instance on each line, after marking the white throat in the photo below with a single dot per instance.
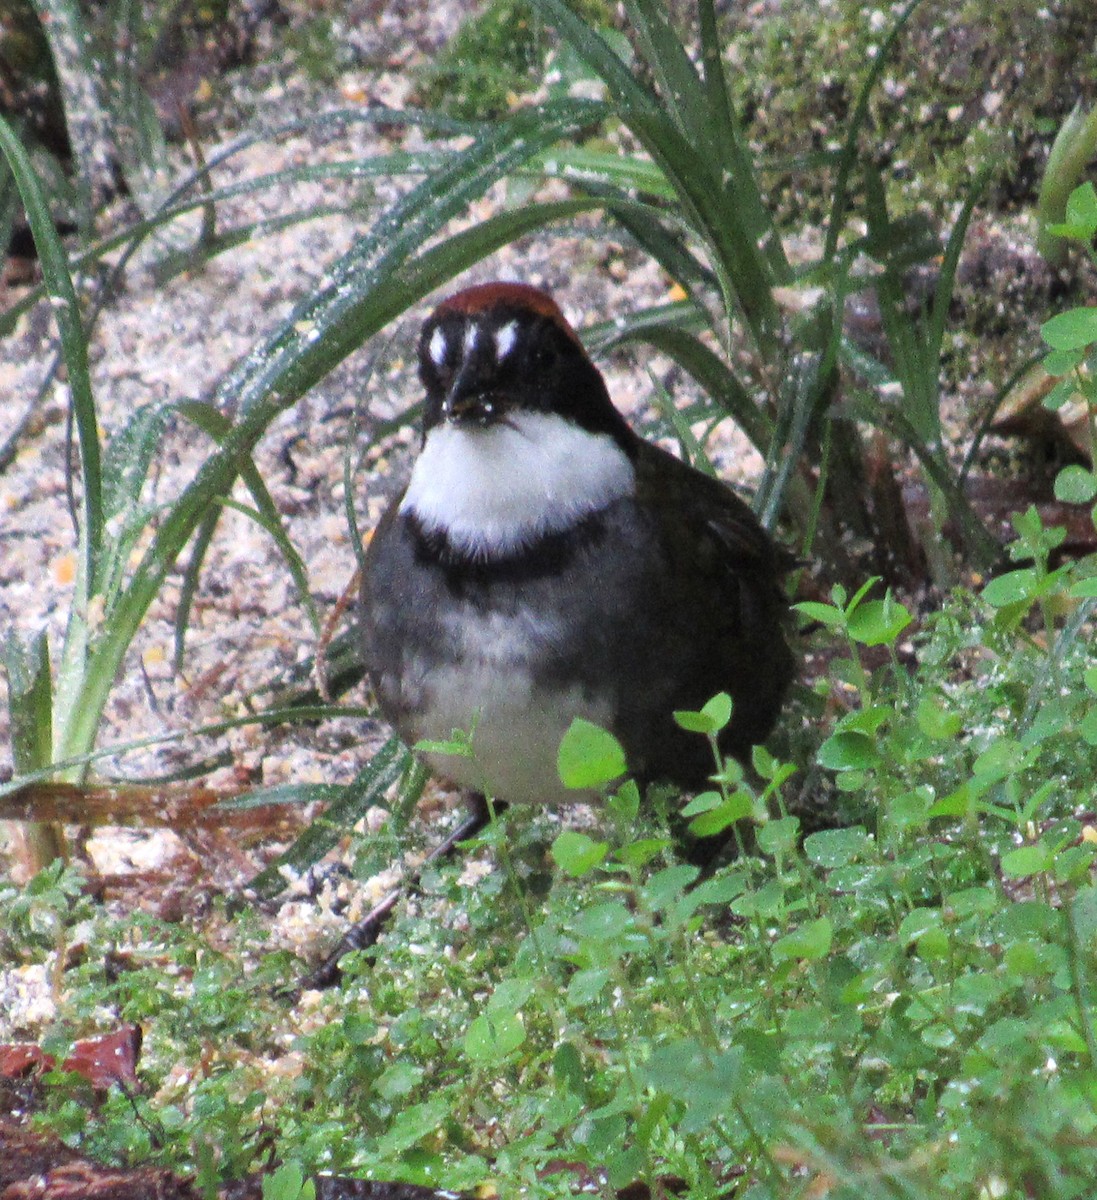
495 489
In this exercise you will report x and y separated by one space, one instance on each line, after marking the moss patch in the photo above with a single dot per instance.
959 92
494 57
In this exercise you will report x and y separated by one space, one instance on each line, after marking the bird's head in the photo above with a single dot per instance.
520 438
500 349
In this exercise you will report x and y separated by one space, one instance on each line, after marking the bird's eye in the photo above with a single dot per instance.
544 354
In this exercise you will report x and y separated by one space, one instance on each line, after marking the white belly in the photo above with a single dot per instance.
516 725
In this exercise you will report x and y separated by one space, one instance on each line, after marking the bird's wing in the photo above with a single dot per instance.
710 510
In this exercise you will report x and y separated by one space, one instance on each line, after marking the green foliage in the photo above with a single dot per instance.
288 1183
487 64
589 757
1072 337
1067 211
39 916
910 999
318 48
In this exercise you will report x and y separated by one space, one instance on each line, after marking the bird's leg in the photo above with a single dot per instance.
365 933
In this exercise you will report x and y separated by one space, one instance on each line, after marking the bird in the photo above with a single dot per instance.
545 562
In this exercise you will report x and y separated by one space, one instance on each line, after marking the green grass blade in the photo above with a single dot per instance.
687 315
284 793
128 456
441 263
265 513
713 375
30 710
990 413
691 167
188 589
604 169
680 87
664 242
66 308
176 205
599 55
946 278
9 201
731 146
268 519
367 790
344 667
701 109
694 175
1073 147
205 249
268 717
30 700
365 291
678 423
87 123
744 275
847 156
804 388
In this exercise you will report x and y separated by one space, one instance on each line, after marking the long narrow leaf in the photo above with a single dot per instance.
736 258
680 86
58 281
714 376
979 542
603 169
268 717
30 702
179 204
367 790
629 94
87 122
188 589
946 277
731 148
266 513
803 391
692 169
665 243
686 315
847 156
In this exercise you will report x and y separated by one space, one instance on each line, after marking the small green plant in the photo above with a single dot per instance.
288 1182
489 62
1065 210
902 1007
1072 338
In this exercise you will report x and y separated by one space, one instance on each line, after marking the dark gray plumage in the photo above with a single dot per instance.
648 587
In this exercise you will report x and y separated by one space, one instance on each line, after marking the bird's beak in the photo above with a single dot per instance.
467 401
474 407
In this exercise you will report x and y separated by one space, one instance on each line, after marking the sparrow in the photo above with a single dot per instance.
545 562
